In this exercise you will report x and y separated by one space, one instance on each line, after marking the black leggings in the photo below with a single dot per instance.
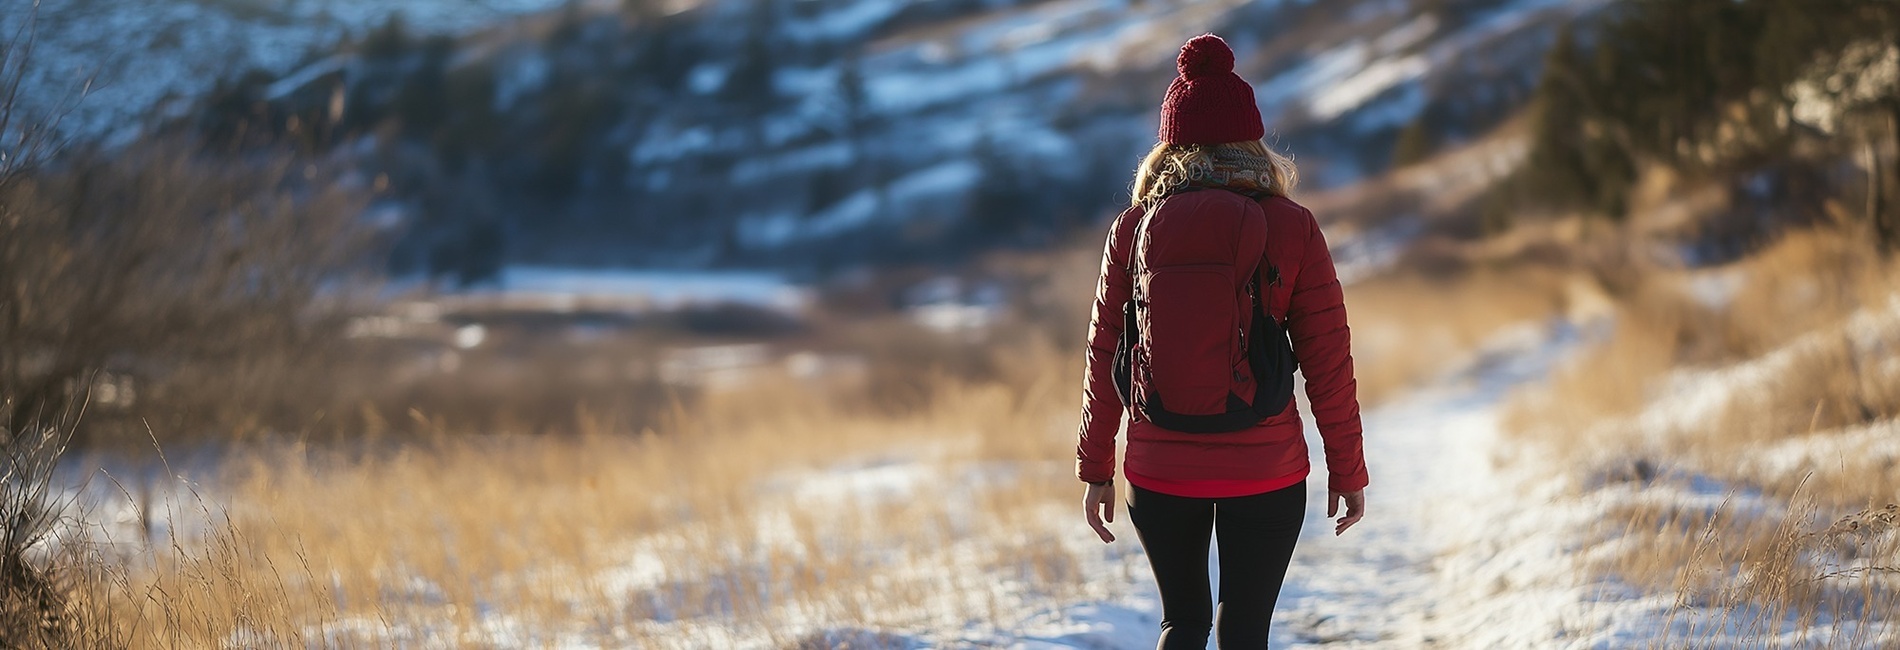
1257 534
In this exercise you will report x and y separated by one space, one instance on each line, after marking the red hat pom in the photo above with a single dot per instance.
1205 56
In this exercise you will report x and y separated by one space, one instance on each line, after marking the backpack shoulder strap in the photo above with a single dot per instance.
1266 274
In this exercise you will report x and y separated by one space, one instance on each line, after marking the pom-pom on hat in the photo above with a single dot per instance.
1208 103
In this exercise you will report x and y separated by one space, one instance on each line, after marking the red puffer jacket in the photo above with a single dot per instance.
1308 299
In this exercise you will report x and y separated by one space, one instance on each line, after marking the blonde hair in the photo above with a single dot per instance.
1167 167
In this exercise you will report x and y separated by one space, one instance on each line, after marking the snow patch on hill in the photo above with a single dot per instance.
108 63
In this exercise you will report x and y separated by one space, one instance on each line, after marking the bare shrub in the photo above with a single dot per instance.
34 604
148 282
157 262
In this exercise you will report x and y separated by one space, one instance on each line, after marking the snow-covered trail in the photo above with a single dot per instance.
1437 481
1434 457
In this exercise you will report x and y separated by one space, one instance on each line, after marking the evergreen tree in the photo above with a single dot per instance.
389 41
750 82
1576 160
1704 86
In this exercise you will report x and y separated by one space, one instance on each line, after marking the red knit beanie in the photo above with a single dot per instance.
1208 103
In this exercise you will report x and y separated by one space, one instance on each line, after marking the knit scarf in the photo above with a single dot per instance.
1233 169
1221 168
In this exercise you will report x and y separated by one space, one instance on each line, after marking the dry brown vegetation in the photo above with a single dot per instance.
666 519
1741 421
740 516
199 278
1411 327
398 490
394 489
541 487
931 492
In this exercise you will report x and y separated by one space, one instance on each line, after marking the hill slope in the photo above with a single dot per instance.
776 132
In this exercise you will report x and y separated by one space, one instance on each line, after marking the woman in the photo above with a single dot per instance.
1247 483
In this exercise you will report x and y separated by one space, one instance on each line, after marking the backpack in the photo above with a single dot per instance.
1199 350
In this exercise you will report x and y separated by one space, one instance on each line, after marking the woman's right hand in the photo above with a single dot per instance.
1099 504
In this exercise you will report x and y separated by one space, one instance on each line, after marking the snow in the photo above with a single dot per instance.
1324 69
707 78
851 20
904 92
873 483
293 81
1472 539
951 177
517 76
1867 71
1354 89
830 155
1392 109
1466 543
1354 79
791 80
856 210
940 88
1408 34
1358 256
1872 444
654 288
1013 47
1693 396
905 196
663 143
470 336
1716 288
645 568
1434 485
1470 542
1036 24
1540 547
138 53
954 317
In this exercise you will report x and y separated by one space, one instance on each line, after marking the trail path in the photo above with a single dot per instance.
1438 483
1441 480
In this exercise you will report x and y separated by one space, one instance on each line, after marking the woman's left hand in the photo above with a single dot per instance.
1099 503
1355 509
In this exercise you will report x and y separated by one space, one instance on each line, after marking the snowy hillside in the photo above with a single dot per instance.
112 62
759 132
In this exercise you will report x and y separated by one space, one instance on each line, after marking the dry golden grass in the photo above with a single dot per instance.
1613 381
1407 327
1749 579
938 493
719 522
1782 399
773 513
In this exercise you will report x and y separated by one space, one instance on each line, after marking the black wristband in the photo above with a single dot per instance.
1101 482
